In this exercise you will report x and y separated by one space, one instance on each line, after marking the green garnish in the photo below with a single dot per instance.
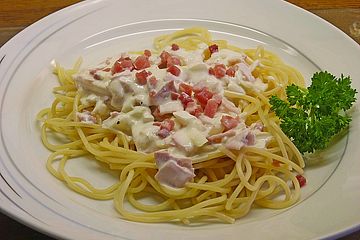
311 117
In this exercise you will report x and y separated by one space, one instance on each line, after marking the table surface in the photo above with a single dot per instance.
15 15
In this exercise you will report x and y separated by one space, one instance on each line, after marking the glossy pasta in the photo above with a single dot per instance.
227 184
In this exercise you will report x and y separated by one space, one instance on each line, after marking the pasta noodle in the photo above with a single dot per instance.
228 183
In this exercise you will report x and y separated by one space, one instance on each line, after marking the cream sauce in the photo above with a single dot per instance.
132 106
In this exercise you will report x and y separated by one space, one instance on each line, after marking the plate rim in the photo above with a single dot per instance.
66 11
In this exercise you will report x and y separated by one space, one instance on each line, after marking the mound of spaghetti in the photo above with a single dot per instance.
188 122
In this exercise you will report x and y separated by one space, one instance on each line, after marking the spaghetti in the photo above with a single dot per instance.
239 156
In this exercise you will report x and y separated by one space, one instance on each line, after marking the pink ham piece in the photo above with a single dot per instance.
163 133
229 122
211 108
193 109
175 47
240 140
141 62
163 94
173 171
213 48
173 60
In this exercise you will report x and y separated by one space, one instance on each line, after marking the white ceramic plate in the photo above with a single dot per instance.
95 29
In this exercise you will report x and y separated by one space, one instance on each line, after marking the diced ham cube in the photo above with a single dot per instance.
162 156
219 70
203 96
194 109
158 116
116 68
229 122
163 57
249 139
186 88
301 179
141 62
175 96
167 88
185 99
97 76
153 81
172 171
174 70
163 133
167 124
141 77
173 60
175 47
147 53
211 71
198 87
213 48
211 108
173 175
121 65
127 64
231 71
163 93
166 127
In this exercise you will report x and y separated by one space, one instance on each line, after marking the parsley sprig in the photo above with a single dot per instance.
311 116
